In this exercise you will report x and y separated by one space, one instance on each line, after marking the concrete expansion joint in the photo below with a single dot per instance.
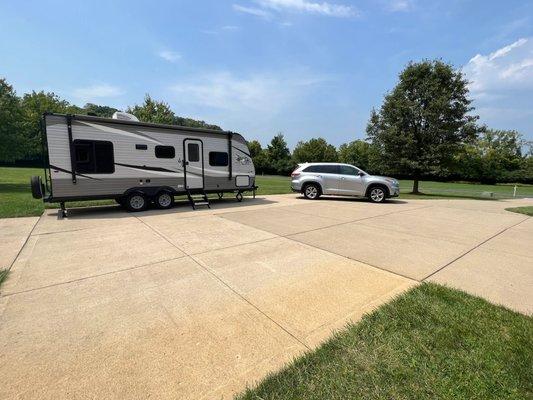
25 242
90 277
474 248
227 285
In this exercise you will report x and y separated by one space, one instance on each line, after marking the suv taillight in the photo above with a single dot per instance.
295 174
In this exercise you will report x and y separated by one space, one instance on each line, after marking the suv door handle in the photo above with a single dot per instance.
342 178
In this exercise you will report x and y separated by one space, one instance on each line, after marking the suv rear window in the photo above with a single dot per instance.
325 169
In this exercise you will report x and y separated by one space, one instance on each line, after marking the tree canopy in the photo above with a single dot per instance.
279 155
424 120
314 150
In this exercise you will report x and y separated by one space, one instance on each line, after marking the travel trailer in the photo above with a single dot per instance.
137 164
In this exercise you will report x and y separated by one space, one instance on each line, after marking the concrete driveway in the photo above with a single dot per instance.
198 304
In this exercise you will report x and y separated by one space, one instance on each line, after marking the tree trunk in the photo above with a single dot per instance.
415 186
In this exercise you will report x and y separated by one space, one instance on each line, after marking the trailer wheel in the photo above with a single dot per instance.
36 187
136 202
164 200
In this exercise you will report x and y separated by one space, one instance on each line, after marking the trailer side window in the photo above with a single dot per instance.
193 152
94 157
165 152
218 159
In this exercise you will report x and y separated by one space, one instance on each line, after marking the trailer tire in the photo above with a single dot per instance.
164 200
36 187
136 202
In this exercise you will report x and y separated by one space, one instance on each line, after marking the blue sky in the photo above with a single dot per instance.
306 68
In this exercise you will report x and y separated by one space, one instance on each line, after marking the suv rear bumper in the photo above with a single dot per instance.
296 186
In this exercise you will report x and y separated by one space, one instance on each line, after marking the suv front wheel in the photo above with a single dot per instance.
311 191
377 194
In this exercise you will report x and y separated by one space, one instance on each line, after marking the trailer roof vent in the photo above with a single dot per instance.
124 116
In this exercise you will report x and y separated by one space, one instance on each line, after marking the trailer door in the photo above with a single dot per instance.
194 164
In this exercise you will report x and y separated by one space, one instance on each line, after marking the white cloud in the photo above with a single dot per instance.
501 83
302 6
97 91
265 93
399 5
508 68
230 28
258 12
169 55
324 8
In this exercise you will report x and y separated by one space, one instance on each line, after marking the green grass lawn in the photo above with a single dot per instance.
522 210
16 199
430 343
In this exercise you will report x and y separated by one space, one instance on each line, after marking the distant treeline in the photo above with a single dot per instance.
494 156
20 138
424 129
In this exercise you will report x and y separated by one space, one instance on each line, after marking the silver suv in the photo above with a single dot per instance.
315 179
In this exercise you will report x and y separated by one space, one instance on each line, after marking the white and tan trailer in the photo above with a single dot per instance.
136 163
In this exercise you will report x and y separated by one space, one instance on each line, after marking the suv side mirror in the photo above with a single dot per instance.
361 173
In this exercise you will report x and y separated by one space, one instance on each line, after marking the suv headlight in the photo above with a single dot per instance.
392 181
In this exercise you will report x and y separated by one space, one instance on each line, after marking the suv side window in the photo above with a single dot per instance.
325 169
347 170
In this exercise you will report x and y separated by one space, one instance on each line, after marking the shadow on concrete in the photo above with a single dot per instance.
180 206
353 199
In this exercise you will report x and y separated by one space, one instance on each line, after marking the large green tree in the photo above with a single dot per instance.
34 105
279 156
424 121
259 157
160 112
495 156
98 110
314 150
11 126
358 153
154 111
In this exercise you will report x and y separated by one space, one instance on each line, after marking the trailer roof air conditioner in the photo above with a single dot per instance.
124 116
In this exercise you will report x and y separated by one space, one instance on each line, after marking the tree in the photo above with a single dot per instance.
259 156
279 156
11 127
99 111
424 121
357 153
192 123
495 156
159 112
314 150
153 111
34 105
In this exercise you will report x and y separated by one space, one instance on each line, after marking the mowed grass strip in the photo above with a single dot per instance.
16 199
522 210
430 343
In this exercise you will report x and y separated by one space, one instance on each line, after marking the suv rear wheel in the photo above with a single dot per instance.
311 191
377 194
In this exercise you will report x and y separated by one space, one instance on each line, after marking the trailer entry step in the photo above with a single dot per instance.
198 198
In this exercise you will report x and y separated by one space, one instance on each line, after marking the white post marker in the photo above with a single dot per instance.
514 191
